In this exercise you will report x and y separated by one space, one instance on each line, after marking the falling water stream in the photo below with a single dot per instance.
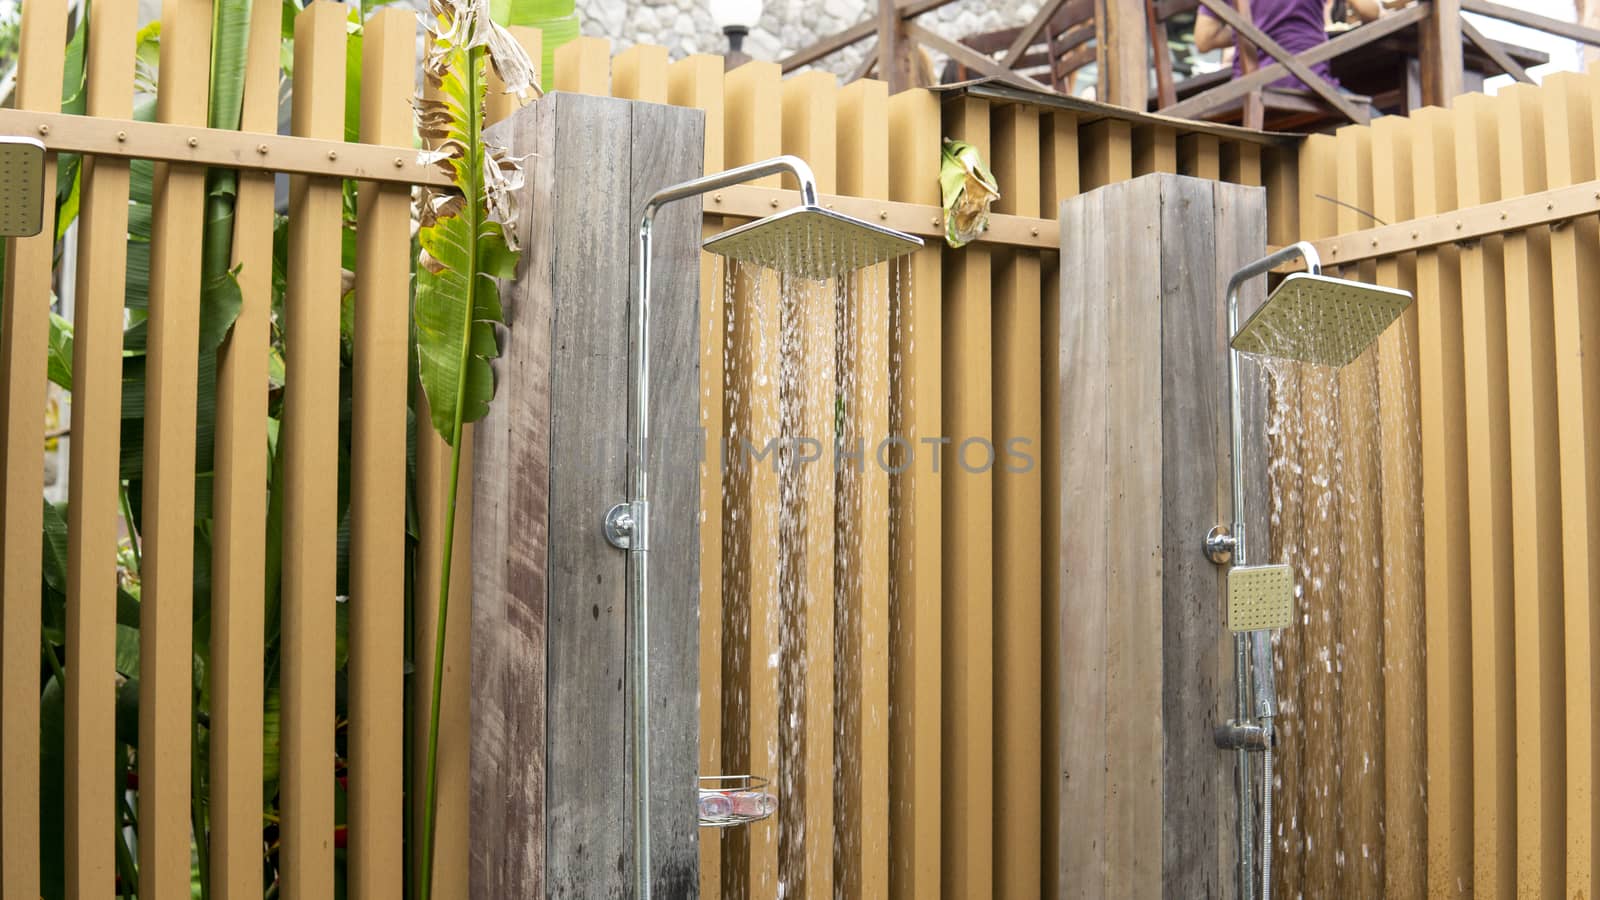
793 365
1342 465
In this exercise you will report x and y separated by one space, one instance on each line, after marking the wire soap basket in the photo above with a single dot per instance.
729 800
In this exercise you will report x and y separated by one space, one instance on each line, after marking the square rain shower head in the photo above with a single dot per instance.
21 186
812 242
1260 598
1322 320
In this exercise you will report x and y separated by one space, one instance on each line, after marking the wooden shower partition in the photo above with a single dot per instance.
933 701
1441 684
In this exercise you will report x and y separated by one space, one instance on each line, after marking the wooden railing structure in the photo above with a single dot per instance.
1123 31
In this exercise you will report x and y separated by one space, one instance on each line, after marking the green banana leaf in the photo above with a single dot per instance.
968 189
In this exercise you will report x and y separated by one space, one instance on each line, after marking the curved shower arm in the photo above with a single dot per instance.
627 525
1298 250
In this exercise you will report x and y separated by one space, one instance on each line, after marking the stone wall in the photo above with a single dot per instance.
684 26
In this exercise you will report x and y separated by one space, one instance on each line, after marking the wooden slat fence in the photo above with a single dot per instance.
350 773
1440 683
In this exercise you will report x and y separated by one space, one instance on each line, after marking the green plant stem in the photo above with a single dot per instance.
197 805
126 870
133 536
473 209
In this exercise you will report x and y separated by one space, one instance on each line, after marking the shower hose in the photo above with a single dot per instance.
1266 816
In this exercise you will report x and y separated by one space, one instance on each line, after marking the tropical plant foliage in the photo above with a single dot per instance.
468 238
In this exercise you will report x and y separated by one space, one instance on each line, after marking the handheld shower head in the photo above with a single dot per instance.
1316 319
813 242
22 174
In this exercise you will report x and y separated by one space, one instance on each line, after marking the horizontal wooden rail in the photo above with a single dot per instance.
911 218
128 139
1461 226
1527 19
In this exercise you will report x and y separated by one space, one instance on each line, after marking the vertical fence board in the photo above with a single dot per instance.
752 131
23 386
1320 571
1058 171
1445 554
1534 478
583 66
1404 695
1241 162
916 349
1361 583
1015 318
968 735
640 73
862 654
1155 149
167 600
1106 153
94 472
1575 262
309 441
697 82
377 493
238 600
810 122
1489 503
1199 156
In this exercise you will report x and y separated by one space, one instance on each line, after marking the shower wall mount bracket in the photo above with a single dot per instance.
625 525
1220 543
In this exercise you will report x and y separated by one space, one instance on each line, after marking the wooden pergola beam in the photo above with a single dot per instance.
855 34
1122 40
1442 77
1576 32
1495 52
968 57
1030 32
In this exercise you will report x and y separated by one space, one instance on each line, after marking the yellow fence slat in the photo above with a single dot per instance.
1361 585
1322 747
240 503
1200 156
1018 550
810 120
93 511
1155 149
166 610
308 444
1404 696
1241 162
23 386
968 726
862 653
1489 506
376 865
640 73
1534 478
1058 170
696 81
916 346
1447 602
583 66
752 132
1570 146
1106 151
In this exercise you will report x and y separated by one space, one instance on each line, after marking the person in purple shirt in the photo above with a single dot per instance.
1298 25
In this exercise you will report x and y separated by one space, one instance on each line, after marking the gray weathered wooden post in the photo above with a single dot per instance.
550 805
1147 801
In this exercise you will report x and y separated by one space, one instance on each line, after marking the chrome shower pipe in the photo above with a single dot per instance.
627 525
1255 648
